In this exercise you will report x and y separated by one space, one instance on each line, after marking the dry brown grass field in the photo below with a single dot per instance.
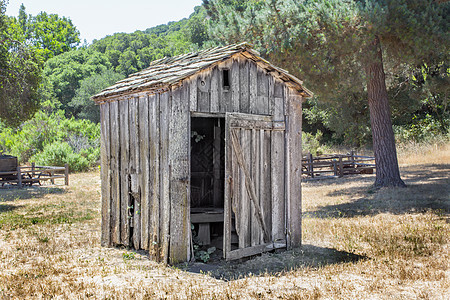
359 243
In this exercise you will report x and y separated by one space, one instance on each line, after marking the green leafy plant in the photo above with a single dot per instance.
204 255
128 256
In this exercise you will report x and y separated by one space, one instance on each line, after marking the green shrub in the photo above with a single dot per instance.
313 143
426 129
53 139
60 153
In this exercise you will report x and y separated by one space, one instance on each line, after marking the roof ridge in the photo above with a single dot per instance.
166 71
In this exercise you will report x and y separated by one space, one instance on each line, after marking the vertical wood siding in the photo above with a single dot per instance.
145 159
125 201
115 174
142 220
105 156
179 152
154 178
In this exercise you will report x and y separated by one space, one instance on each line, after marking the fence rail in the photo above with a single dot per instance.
28 175
336 165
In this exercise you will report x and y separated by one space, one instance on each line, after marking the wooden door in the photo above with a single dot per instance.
254 202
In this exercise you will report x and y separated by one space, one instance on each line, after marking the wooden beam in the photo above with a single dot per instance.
245 252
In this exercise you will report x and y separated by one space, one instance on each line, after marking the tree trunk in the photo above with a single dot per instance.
387 173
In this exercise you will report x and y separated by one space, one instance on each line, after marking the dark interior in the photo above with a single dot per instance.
207 180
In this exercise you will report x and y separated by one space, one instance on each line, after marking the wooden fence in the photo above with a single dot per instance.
336 165
27 175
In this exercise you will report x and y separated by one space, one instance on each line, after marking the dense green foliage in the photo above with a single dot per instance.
129 53
50 33
81 105
64 73
20 76
53 139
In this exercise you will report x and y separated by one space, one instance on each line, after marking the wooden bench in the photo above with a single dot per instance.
204 216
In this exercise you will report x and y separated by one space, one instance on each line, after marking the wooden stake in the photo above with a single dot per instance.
66 174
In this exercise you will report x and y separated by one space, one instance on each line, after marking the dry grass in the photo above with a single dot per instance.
358 243
420 154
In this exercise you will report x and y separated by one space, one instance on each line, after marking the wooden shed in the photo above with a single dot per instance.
210 139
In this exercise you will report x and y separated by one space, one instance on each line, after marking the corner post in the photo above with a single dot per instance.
294 157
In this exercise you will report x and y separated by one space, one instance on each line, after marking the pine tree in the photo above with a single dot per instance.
343 46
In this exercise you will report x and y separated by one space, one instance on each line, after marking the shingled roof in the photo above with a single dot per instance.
165 72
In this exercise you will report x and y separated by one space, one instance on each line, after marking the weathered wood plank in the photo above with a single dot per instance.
271 92
115 174
179 139
204 93
266 184
278 89
165 108
154 177
262 101
279 102
144 167
124 145
240 253
237 117
193 93
244 210
235 87
253 88
105 156
215 86
294 140
206 218
230 206
135 171
278 174
244 86
254 124
255 177
225 91
217 152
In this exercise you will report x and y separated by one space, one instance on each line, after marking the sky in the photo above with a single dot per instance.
96 19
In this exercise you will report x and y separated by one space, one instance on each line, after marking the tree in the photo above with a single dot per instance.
130 53
64 73
50 33
82 105
20 75
342 47
196 27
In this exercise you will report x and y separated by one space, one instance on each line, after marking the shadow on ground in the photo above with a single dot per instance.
6 207
15 193
428 188
272 263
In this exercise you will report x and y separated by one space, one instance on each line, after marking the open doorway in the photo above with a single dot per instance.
207 180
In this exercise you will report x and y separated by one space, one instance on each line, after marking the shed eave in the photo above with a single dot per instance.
137 82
